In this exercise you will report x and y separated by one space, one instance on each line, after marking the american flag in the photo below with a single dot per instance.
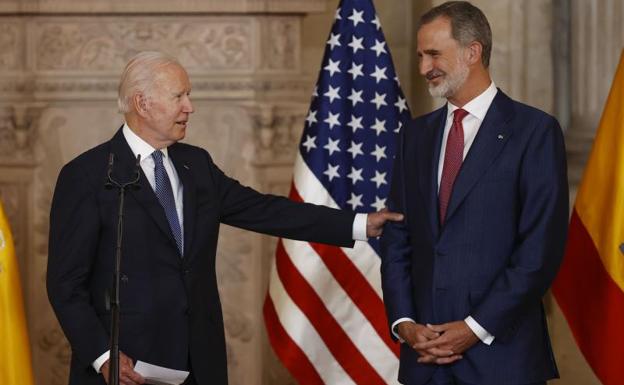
324 312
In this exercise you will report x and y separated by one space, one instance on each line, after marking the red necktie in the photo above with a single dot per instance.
453 158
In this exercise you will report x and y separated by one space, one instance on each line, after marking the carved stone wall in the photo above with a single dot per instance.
59 67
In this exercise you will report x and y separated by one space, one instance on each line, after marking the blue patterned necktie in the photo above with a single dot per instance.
165 197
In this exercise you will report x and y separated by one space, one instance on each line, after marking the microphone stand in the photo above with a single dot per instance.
113 373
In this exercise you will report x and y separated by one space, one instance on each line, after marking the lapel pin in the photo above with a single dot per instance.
186 166
501 136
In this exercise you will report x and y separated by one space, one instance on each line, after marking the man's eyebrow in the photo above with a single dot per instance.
431 51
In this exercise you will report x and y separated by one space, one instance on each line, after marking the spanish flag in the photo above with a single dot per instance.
590 284
15 365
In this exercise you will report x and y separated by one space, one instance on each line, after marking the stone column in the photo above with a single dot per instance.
597 41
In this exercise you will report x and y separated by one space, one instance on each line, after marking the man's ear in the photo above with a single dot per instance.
140 103
475 49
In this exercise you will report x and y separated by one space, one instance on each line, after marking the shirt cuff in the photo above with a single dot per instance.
396 323
97 364
479 331
359 227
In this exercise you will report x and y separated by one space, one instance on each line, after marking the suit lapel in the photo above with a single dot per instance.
490 140
124 170
429 152
183 168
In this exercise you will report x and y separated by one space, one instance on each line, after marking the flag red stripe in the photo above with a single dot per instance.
287 350
358 289
355 285
332 334
592 303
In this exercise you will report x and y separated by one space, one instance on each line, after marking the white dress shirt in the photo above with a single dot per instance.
139 146
477 109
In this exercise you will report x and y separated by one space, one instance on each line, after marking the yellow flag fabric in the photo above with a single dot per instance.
600 200
15 363
590 285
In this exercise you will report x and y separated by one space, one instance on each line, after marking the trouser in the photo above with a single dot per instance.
444 376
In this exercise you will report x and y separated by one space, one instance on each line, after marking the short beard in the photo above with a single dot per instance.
453 82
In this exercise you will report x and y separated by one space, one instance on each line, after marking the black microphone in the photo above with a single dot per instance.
111 182
137 173
109 174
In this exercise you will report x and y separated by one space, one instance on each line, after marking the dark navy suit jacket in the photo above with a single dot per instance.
498 251
170 309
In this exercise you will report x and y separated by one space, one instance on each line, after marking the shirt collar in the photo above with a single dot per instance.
138 145
478 106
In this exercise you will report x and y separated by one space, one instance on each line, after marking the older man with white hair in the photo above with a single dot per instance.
170 308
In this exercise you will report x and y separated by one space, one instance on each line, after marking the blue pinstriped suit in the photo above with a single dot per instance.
498 251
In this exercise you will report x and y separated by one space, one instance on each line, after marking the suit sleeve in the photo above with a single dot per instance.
396 264
246 208
541 234
74 234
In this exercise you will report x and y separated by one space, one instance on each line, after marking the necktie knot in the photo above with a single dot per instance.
158 157
459 115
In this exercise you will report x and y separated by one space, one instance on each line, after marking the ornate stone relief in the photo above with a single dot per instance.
160 6
50 350
10 45
105 45
83 88
80 58
282 48
17 126
9 195
278 130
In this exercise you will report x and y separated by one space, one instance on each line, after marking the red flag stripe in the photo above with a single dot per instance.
287 350
359 290
296 324
356 286
334 337
338 303
597 324
362 255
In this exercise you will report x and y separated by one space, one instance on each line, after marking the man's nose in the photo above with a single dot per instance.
188 105
424 65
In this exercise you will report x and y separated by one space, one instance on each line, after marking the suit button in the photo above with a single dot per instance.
186 272
188 312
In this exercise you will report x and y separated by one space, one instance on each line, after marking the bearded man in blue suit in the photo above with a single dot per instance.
483 186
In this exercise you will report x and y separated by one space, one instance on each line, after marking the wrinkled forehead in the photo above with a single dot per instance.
168 70
436 34
171 76
440 27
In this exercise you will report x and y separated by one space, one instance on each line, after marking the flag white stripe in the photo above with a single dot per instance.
342 308
300 330
362 254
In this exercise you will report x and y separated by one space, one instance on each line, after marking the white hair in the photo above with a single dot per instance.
139 75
